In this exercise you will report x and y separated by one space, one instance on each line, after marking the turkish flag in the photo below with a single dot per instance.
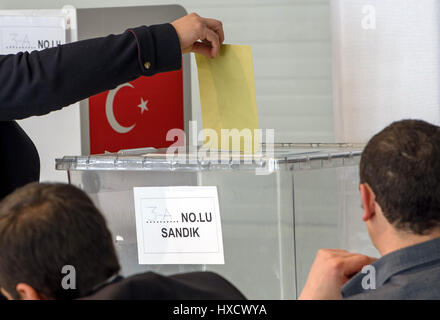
137 114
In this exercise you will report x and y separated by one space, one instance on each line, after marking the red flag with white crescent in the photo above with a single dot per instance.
137 114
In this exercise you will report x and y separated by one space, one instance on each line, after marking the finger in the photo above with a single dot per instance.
354 264
337 250
212 37
202 48
217 27
332 252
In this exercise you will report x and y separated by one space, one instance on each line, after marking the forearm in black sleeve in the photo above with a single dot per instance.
39 82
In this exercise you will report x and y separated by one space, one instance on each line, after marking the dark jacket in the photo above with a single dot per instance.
39 82
185 286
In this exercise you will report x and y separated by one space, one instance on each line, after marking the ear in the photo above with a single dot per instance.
26 292
368 202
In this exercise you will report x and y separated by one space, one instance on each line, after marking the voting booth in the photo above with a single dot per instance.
132 114
275 212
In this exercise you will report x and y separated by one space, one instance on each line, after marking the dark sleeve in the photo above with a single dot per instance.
39 82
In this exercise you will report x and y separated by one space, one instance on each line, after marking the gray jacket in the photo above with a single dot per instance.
409 273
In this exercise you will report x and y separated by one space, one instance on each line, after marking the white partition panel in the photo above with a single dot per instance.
386 64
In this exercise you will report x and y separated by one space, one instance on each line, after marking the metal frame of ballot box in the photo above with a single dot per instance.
272 223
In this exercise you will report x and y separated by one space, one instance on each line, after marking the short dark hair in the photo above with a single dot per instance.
401 164
44 227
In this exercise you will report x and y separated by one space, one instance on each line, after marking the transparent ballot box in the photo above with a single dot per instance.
277 209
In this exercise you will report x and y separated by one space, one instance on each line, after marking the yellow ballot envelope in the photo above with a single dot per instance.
227 96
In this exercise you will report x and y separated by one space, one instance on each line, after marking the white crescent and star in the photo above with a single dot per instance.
109 111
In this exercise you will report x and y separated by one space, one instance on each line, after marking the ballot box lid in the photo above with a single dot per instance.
297 156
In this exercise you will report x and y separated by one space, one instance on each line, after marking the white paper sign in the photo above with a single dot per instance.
178 225
29 33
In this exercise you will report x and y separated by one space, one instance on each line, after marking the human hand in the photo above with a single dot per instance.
331 269
201 35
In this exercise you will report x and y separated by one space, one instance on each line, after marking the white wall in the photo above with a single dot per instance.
292 60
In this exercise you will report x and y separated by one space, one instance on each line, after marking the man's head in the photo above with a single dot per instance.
44 227
400 180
